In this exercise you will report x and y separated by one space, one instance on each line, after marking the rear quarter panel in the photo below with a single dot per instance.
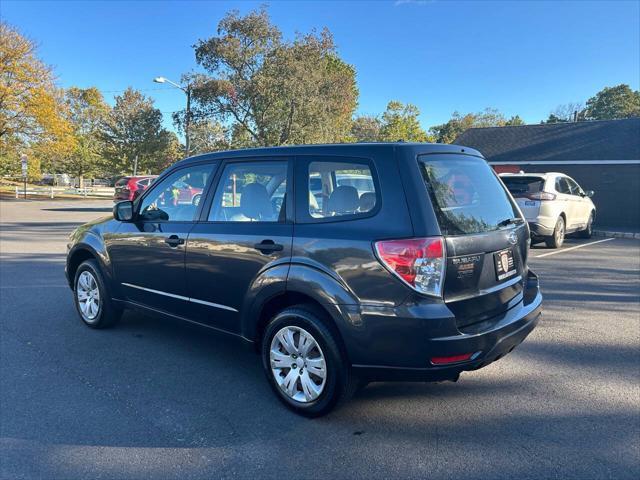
344 248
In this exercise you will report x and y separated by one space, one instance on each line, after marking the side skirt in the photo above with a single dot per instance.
161 313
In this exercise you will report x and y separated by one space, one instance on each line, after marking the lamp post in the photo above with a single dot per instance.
187 90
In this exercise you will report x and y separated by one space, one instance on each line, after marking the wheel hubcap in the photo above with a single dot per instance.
298 364
88 295
560 232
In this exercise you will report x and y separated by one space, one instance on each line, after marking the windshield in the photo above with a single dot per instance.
523 186
466 195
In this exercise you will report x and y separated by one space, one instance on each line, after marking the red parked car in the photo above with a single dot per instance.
129 188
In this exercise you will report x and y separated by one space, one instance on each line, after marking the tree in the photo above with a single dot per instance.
208 136
569 112
133 134
553 118
87 113
514 121
614 102
400 122
31 108
277 92
489 117
366 129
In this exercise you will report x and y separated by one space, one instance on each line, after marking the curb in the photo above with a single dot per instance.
612 234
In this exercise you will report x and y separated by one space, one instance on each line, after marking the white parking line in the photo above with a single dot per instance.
33 286
572 248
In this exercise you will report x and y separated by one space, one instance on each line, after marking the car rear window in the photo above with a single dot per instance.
123 181
466 195
523 186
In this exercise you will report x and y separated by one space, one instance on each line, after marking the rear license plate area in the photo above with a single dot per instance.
505 264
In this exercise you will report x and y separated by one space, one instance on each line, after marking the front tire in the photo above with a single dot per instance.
304 363
557 239
91 297
588 231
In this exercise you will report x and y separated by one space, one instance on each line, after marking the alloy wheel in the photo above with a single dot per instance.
560 233
88 295
298 364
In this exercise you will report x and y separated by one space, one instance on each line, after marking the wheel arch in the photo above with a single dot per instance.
75 258
89 248
307 286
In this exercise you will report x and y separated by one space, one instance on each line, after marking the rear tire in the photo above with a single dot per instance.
557 239
311 389
588 231
92 297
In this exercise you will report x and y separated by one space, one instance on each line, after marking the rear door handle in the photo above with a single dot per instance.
173 241
268 246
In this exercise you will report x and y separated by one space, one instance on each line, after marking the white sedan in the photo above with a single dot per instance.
553 204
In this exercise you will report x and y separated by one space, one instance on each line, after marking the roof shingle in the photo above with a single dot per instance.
594 140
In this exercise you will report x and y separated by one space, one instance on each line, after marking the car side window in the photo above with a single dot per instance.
251 192
176 198
574 187
562 186
339 189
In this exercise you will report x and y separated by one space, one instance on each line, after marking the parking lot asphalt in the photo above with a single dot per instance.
155 398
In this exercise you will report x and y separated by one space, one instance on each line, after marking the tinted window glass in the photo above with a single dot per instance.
176 198
121 182
562 186
523 186
466 195
250 192
340 188
573 187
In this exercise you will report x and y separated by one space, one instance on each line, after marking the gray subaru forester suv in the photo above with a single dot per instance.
339 264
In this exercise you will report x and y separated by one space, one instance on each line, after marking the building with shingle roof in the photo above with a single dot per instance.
603 156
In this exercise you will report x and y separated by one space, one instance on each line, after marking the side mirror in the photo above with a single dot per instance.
123 211
589 193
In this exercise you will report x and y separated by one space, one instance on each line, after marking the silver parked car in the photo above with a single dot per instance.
553 204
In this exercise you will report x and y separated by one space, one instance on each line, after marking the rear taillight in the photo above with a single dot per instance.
419 262
541 196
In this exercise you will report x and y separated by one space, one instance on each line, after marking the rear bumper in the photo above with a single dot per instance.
488 341
540 230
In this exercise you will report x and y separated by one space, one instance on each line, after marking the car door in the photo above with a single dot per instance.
581 204
148 253
567 201
246 227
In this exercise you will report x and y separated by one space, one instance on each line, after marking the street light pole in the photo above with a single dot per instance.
187 122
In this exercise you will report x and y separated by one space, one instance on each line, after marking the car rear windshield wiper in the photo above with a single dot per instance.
510 221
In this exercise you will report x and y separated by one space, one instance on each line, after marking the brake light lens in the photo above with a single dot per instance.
541 196
419 262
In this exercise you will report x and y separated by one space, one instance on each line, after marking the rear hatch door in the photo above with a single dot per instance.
486 238
525 190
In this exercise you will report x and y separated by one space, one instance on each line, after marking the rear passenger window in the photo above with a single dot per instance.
250 192
339 189
562 186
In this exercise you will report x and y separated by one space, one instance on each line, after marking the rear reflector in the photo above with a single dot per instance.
452 359
419 262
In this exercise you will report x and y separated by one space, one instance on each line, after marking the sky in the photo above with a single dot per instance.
523 58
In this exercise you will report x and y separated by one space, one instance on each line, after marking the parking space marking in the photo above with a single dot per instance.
33 286
572 248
